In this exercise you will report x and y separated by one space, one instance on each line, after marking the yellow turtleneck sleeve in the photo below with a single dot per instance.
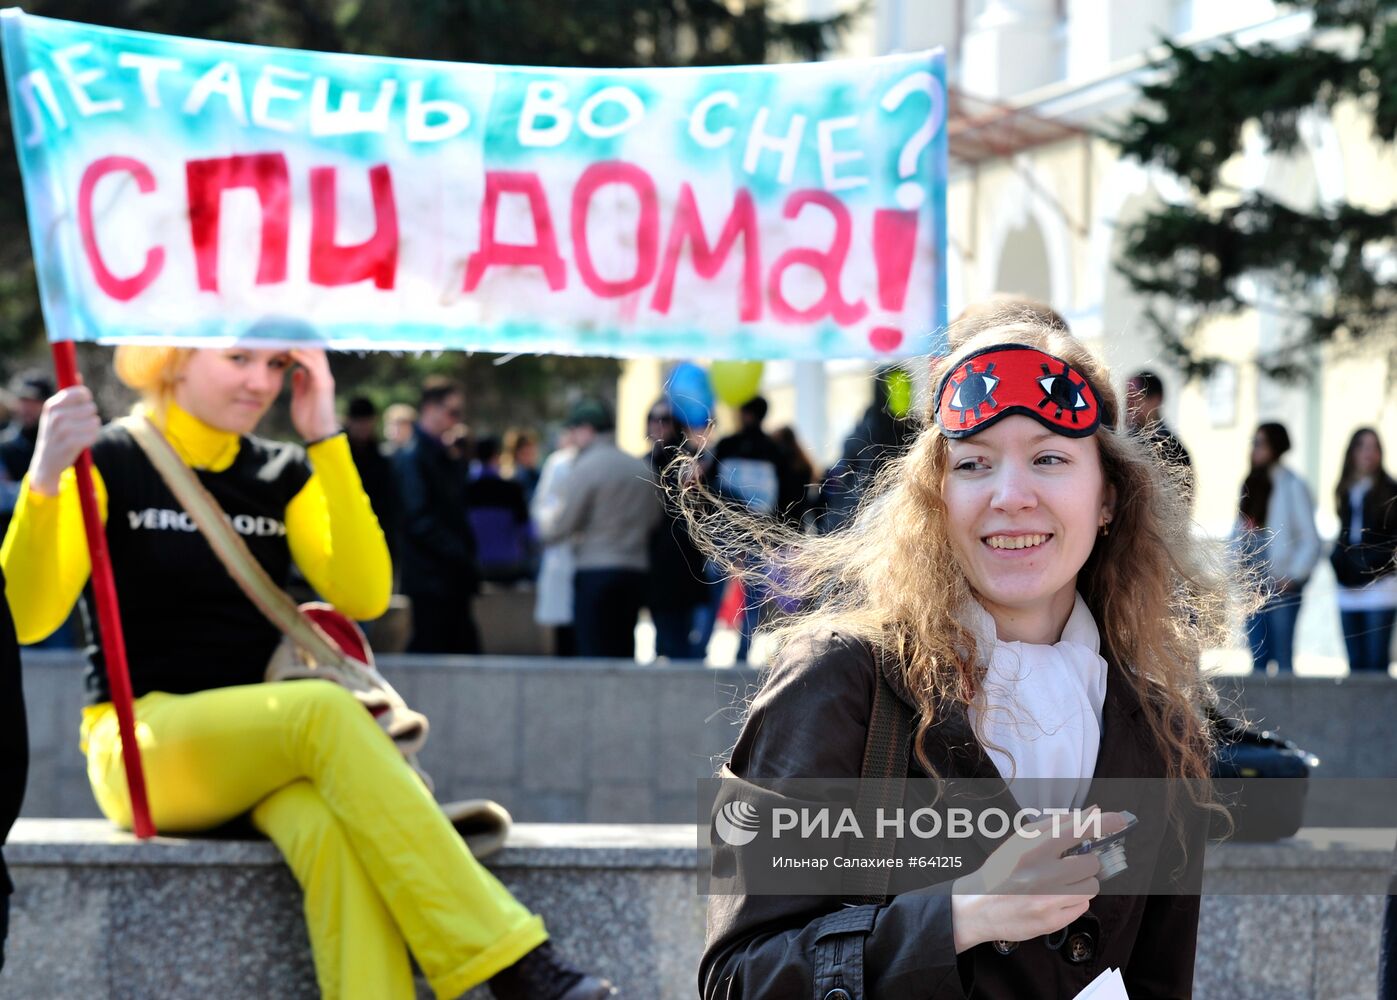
45 556
335 537
331 529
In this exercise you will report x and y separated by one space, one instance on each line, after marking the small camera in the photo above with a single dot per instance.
1110 849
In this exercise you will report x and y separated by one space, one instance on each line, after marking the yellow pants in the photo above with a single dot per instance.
381 868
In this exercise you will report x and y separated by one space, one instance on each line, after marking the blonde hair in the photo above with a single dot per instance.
151 371
891 578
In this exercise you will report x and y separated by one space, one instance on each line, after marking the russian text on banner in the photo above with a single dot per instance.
200 192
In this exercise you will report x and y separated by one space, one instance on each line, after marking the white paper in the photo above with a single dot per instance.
1107 986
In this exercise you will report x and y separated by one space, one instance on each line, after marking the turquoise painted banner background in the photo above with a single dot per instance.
204 192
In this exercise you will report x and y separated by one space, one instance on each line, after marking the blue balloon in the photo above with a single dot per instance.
690 395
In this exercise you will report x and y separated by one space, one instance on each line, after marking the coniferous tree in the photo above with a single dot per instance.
1331 270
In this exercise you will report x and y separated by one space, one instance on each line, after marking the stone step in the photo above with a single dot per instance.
610 741
101 916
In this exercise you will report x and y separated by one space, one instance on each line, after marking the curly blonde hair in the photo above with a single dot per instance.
1159 594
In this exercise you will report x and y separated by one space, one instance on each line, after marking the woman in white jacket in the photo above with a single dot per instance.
553 604
1276 533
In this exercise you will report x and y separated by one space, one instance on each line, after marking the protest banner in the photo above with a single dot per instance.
200 192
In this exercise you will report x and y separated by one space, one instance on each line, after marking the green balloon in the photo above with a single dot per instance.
899 393
735 382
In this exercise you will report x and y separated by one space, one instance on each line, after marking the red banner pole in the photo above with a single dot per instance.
65 364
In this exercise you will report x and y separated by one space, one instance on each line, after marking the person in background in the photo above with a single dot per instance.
26 396
14 752
677 586
520 462
693 423
750 466
1275 537
553 596
800 472
375 470
500 519
879 437
608 512
1144 396
440 571
17 441
398 421
751 470
1366 501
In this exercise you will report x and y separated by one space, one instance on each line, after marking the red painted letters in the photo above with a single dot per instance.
121 289
709 260
376 257
208 179
647 236
542 253
829 263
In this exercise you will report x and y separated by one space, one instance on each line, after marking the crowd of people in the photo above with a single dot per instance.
1276 541
588 529
919 584
594 530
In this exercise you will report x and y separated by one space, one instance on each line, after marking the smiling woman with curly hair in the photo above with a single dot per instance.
1027 577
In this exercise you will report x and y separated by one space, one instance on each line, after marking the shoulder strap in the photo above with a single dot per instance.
883 779
228 545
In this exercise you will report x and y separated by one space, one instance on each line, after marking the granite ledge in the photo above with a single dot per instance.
87 842
96 843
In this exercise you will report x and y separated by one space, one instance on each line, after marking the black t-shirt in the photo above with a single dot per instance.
188 627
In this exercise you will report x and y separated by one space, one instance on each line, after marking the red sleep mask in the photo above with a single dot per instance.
1003 379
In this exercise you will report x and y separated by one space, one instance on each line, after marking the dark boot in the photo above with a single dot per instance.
542 975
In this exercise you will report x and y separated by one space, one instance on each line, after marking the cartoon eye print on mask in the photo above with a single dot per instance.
993 382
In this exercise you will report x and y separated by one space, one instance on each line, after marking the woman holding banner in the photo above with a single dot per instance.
380 865
1008 579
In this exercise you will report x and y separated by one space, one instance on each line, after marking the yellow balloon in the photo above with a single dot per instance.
899 393
735 382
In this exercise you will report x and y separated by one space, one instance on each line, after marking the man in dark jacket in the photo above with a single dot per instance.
437 546
375 470
677 587
29 390
14 751
879 437
1144 398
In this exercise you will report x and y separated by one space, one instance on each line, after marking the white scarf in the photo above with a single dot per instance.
1041 708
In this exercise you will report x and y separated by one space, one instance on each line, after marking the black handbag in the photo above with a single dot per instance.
1261 778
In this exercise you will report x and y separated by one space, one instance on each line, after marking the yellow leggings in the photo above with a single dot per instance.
381 868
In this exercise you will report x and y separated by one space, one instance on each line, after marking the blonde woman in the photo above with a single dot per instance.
382 869
1029 585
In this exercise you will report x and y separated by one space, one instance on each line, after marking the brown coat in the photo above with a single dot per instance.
811 720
